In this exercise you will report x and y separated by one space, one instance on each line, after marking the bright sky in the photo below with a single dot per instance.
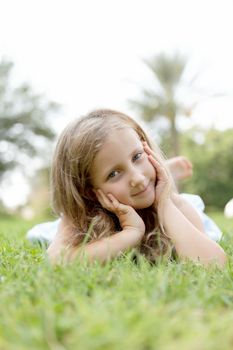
88 54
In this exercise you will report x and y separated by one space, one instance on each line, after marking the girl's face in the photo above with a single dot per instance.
122 168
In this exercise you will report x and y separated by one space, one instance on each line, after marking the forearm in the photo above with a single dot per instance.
110 247
101 250
188 211
190 242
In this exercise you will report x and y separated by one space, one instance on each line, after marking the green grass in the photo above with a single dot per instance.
117 306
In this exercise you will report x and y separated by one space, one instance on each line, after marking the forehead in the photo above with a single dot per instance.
124 139
119 144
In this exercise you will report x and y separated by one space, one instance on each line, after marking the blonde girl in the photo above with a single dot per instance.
112 190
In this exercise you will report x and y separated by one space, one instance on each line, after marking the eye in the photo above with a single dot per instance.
113 174
137 156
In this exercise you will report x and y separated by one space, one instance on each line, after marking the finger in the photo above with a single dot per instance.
146 147
113 200
161 172
148 150
119 207
109 202
104 200
153 161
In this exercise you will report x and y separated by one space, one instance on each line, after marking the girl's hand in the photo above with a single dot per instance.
162 179
128 217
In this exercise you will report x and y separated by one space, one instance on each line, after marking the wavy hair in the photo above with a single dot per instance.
71 184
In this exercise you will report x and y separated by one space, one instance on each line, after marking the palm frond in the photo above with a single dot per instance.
168 70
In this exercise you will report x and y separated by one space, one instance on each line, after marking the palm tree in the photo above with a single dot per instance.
162 102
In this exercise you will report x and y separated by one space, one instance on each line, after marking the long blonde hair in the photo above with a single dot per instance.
71 185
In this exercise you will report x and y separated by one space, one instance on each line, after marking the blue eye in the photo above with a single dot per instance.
113 174
137 156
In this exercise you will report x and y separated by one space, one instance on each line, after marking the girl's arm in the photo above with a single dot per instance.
102 250
189 241
182 224
133 229
188 210
110 247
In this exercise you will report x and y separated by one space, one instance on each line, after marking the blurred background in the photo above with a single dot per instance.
167 63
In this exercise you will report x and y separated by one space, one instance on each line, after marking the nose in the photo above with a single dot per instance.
136 178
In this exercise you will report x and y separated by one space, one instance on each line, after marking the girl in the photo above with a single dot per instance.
180 168
113 191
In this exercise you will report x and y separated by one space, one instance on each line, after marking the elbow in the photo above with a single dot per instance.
52 257
56 255
61 255
222 258
219 258
215 256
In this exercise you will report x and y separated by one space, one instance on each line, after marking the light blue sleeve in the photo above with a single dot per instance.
211 228
43 233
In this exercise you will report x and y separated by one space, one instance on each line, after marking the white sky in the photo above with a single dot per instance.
87 54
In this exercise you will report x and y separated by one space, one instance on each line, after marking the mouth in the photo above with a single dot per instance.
141 192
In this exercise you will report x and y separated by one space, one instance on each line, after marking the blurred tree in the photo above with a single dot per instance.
38 202
211 154
162 101
24 126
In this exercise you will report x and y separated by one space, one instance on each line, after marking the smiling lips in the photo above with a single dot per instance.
141 192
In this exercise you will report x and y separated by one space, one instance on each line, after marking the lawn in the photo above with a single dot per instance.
120 305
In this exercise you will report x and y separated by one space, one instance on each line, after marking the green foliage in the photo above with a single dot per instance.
213 165
120 305
24 125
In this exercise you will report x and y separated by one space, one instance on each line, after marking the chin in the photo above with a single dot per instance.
145 204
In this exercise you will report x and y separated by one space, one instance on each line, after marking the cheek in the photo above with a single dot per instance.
119 191
151 170
115 189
